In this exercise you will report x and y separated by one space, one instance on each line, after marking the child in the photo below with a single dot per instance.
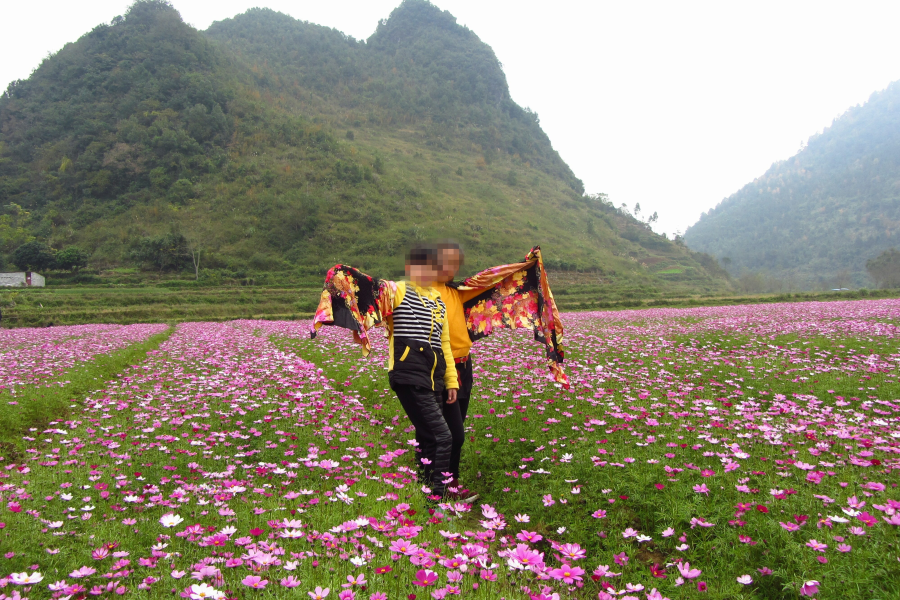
450 259
418 360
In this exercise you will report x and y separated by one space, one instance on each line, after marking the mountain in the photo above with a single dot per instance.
815 219
269 144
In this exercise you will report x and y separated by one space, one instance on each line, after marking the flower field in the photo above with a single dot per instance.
730 452
30 357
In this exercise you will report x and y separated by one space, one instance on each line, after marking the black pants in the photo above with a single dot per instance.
455 414
423 407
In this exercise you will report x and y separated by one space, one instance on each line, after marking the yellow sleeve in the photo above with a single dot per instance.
466 295
450 381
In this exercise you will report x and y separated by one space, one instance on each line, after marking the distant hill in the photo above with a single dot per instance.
814 220
270 144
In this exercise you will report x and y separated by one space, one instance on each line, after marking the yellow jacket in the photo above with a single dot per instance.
392 301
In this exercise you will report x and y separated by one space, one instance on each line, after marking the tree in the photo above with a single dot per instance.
34 256
885 268
164 253
71 259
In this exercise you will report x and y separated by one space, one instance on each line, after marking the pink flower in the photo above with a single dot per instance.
868 519
687 572
701 489
572 551
529 536
255 581
745 580
425 577
358 580
567 574
548 500
816 545
789 526
809 588
319 593
290 582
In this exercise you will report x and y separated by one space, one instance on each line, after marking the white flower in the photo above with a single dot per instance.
202 591
290 565
643 538
358 561
170 520
561 530
66 497
25 578
523 518
55 524
745 579
291 533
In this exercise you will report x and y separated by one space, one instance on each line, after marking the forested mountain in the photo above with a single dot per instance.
268 143
815 219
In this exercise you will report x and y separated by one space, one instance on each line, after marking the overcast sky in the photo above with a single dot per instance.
675 105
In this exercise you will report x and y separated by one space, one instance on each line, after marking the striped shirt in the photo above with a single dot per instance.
420 318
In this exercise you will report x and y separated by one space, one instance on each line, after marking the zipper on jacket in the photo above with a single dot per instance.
430 331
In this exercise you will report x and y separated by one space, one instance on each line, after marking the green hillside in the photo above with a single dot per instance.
815 219
268 144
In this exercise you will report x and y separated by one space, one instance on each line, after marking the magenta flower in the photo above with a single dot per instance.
529 536
572 551
817 545
809 588
425 577
255 581
567 574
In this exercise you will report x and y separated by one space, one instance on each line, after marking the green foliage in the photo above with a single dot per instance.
167 252
237 138
885 268
33 256
71 259
822 213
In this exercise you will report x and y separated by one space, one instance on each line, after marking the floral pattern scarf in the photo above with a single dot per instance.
514 296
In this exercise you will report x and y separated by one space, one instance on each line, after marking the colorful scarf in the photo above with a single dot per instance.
515 296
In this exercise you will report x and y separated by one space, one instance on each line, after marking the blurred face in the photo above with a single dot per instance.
450 263
422 275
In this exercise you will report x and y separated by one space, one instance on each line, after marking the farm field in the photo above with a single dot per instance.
173 300
720 452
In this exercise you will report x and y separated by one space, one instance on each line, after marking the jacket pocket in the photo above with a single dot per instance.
405 354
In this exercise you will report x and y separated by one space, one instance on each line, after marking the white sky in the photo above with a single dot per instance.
675 105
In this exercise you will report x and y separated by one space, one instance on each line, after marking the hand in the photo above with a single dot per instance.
451 396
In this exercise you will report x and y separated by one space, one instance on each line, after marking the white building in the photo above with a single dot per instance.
22 279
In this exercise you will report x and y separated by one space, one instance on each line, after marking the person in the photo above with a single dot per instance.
450 260
512 296
420 361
